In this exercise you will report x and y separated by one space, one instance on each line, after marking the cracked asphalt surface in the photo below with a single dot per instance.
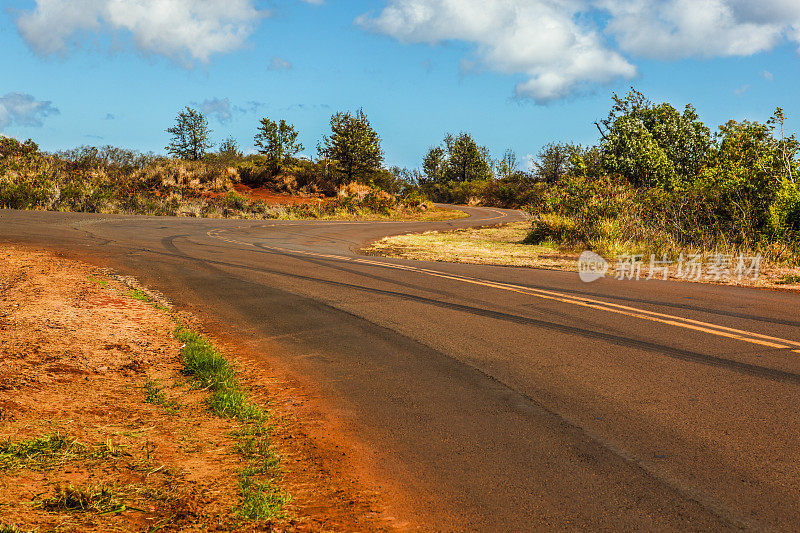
496 398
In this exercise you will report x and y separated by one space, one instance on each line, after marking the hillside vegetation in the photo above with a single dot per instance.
658 180
114 180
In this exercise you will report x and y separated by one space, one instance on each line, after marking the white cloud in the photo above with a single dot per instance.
741 90
529 162
549 41
220 109
20 109
561 46
767 75
185 30
675 29
278 63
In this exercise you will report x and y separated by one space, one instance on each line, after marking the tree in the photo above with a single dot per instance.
190 135
353 146
638 134
466 160
552 161
507 165
434 164
277 141
458 158
229 149
585 161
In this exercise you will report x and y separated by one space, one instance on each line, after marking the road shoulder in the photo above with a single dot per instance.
101 427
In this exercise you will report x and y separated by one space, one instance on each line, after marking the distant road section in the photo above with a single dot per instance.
496 398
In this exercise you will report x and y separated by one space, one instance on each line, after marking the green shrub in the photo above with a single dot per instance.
553 228
785 210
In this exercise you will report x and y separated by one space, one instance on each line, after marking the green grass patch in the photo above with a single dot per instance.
211 370
101 282
142 296
47 451
261 497
50 451
154 393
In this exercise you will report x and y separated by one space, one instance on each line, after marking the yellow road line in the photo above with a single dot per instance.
653 316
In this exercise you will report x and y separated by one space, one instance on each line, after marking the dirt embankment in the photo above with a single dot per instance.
100 430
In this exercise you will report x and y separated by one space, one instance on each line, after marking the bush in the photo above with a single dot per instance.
552 228
785 210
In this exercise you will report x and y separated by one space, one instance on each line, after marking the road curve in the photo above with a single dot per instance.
499 398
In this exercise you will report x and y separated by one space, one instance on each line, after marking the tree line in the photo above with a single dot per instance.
353 145
664 167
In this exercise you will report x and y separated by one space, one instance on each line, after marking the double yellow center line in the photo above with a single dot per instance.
672 320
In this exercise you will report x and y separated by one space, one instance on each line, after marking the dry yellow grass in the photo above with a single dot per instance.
502 245
497 245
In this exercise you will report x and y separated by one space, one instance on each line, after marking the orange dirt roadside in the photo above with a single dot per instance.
77 351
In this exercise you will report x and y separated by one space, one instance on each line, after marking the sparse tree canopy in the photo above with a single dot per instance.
277 141
434 164
552 161
190 135
354 146
229 148
507 165
459 159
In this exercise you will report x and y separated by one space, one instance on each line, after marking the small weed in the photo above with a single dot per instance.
11 528
261 500
212 371
154 393
47 451
101 499
262 497
142 296
101 282
52 450
789 279
109 449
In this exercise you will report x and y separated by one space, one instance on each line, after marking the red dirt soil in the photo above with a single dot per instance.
76 352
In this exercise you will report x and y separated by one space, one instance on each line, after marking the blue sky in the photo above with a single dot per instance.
515 73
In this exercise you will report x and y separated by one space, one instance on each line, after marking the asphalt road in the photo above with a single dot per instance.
501 399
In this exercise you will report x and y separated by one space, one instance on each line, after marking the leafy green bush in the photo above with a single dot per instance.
552 228
785 210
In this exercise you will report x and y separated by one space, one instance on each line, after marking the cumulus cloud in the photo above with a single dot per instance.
549 41
560 46
184 30
20 109
674 29
220 109
278 64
